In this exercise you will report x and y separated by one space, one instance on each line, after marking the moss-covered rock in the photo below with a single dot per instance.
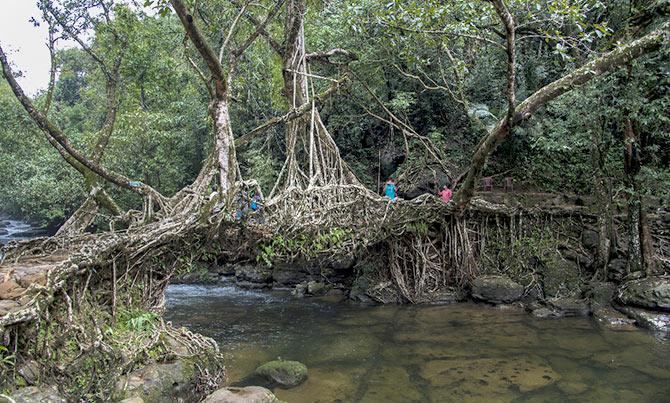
285 373
650 293
560 276
45 394
496 289
160 382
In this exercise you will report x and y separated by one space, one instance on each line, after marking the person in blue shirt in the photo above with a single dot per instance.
390 190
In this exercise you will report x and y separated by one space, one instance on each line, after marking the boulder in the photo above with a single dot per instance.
253 274
650 292
10 289
317 288
29 371
285 373
617 269
249 394
496 289
560 276
226 269
590 239
447 296
345 262
299 290
43 394
654 320
570 306
609 318
285 276
601 293
134 399
160 382
7 306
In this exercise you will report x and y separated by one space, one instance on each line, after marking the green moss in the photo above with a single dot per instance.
287 373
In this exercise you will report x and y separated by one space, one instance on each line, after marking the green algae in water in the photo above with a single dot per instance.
459 353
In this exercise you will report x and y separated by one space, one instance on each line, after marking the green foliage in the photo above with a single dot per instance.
520 256
303 245
418 227
7 358
134 321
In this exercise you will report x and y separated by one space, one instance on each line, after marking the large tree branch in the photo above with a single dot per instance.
203 48
608 62
54 133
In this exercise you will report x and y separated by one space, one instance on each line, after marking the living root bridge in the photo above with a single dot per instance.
412 250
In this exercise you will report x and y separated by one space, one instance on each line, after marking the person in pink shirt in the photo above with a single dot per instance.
446 193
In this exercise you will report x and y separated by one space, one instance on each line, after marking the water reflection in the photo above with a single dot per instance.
424 353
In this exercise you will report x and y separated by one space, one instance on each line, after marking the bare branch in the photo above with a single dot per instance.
233 26
259 29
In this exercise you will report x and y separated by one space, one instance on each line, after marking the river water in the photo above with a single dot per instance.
15 230
459 353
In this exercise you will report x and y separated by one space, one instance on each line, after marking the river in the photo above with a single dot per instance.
15 230
427 353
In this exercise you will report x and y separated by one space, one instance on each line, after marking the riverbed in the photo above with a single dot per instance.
427 353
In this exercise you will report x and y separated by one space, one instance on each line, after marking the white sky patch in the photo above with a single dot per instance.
24 43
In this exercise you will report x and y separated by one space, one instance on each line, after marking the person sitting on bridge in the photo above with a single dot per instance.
446 193
390 190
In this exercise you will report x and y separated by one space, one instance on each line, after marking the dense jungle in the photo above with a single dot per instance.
335 201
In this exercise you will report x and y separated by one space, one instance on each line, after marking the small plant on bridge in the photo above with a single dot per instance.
303 245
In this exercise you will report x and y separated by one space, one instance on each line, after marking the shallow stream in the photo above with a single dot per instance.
462 352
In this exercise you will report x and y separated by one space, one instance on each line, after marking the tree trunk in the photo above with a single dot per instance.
640 243
224 145
603 194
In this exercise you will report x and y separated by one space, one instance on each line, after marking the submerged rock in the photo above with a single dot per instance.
654 320
649 292
571 306
286 373
249 394
43 394
487 379
496 289
612 319
544 313
317 288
